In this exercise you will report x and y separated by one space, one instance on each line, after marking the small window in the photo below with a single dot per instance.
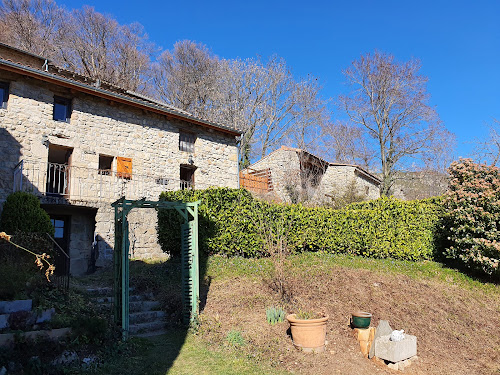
186 142
105 164
187 177
62 109
124 168
59 228
4 94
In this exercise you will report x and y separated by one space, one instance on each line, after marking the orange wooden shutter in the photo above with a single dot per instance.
124 167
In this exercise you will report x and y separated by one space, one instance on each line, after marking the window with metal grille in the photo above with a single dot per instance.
186 141
187 177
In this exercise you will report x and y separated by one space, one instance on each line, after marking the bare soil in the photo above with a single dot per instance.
457 328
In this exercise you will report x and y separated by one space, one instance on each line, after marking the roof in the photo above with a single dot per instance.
358 169
60 76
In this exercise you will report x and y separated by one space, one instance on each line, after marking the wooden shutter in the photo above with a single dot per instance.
124 167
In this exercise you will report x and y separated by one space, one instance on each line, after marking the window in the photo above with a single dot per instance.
105 164
4 94
59 228
62 109
186 141
124 168
187 177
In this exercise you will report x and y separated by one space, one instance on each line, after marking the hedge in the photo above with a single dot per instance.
230 223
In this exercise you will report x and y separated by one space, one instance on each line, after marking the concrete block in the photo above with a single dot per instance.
7 307
395 351
383 329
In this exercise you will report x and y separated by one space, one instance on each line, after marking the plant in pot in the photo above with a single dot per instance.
308 331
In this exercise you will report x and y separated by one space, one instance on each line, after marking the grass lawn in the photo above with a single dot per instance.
159 355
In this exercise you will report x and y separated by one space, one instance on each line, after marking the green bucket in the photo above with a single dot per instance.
361 319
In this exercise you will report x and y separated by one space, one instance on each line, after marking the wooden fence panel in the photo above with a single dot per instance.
256 181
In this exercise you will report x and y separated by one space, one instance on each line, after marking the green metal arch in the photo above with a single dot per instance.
189 257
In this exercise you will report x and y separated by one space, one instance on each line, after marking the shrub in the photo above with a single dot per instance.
472 218
229 224
27 222
22 213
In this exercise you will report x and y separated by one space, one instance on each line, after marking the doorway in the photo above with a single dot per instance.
58 170
61 225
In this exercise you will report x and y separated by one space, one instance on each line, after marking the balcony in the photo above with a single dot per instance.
61 183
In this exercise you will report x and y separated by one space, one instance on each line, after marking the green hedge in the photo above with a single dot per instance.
230 223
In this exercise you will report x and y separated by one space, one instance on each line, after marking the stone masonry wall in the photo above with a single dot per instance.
285 170
99 126
338 179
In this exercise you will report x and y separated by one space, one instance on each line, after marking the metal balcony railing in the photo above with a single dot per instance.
74 183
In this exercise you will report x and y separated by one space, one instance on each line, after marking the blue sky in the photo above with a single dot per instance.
458 42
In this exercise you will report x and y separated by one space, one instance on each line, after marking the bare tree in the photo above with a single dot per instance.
347 143
186 77
261 98
390 102
97 46
488 150
83 40
32 25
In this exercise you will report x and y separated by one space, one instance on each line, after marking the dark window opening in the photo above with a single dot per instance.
187 177
186 141
105 164
4 94
62 109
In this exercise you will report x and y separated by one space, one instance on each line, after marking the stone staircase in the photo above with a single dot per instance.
146 318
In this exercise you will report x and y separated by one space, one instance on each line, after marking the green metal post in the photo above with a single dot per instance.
196 261
125 274
117 266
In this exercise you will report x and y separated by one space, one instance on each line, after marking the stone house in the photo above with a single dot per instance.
298 175
80 144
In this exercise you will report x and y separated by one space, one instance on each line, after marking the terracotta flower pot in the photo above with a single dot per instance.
308 334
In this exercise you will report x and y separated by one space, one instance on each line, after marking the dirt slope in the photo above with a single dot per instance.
458 328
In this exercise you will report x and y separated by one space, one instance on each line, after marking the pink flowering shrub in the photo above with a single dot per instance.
472 203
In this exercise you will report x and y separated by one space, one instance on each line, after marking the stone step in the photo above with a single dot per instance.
143 306
148 327
152 333
146 316
135 306
132 298
102 291
105 291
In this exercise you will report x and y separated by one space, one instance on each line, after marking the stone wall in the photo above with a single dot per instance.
340 180
285 171
336 181
98 126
